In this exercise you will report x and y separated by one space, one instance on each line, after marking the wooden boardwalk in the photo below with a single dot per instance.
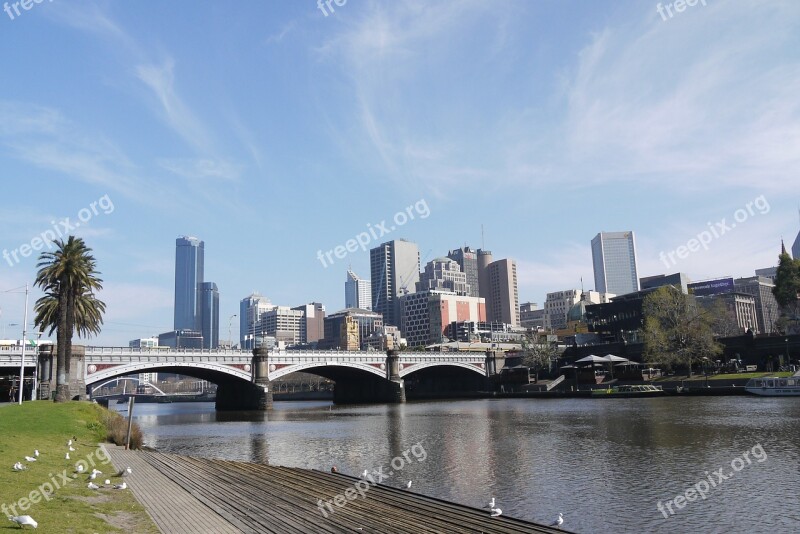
191 495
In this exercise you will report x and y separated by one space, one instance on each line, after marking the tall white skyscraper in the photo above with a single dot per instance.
357 292
394 269
251 308
614 258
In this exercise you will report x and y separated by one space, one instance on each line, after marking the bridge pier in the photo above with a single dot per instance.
254 396
47 369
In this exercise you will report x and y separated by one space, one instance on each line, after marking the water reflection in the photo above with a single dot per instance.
603 463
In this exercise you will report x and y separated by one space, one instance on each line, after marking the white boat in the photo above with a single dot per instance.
772 386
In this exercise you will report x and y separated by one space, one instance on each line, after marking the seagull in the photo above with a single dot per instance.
364 474
22 520
125 472
19 467
79 468
36 453
93 486
72 449
107 482
121 486
496 512
29 459
408 485
97 471
559 520
66 457
69 443
491 504
92 476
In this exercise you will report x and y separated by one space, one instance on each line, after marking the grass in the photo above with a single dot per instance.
71 507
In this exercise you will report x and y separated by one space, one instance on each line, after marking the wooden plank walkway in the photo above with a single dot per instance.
283 500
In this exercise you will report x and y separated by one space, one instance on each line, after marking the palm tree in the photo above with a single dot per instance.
69 279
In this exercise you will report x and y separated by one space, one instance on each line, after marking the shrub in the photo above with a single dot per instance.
117 428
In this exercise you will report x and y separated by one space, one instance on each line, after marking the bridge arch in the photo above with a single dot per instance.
212 372
319 367
410 368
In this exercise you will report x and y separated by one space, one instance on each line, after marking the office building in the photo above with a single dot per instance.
769 272
502 300
557 305
767 309
468 262
189 258
181 339
741 311
444 274
357 292
314 316
679 280
349 329
614 261
531 316
285 324
484 260
426 315
394 271
209 315
250 310
143 343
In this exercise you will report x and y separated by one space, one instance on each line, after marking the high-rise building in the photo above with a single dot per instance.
767 309
443 274
188 280
284 324
251 308
502 300
426 314
614 259
314 314
357 292
530 316
394 271
556 307
209 315
484 259
468 261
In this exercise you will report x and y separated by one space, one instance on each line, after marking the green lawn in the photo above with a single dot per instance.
725 376
71 507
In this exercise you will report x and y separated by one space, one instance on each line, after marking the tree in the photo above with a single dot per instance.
69 280
787 290
676 329
537 355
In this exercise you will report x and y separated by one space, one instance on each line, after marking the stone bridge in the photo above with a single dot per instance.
244 377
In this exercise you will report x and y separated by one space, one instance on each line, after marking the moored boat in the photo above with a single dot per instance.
773 386
633 390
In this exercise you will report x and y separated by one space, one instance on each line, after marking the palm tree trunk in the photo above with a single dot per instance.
62 385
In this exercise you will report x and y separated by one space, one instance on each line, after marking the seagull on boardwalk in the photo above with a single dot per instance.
125 472
29 459
496 512
559 520
19 467
122 486
93 486
23 520
408 485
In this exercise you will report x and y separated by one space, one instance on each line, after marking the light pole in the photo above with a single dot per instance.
230 322
24 335
788 362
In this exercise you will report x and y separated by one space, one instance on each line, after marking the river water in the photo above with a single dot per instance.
604 463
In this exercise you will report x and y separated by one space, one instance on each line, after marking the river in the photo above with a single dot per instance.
604 463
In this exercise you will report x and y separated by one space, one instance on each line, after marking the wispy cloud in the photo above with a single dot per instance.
202 168
278 37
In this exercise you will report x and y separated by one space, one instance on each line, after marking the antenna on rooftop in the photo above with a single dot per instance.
483 244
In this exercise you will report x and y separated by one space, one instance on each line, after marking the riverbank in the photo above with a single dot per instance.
46 490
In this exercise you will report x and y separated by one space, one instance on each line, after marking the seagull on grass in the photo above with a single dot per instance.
93 486
66 457
19 467
559 520
30 459
36 453
92 476
69 443
122 486
79 468
23 520
72 449
107 482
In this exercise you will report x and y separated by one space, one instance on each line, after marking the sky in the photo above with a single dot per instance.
278 131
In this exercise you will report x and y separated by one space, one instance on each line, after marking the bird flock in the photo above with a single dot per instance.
496 511
26 520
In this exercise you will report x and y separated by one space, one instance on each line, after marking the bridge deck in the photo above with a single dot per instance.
185 494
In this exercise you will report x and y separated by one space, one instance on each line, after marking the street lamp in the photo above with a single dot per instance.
788 361
230 321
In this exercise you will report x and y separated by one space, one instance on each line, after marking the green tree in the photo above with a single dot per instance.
676 329
786 291
69 279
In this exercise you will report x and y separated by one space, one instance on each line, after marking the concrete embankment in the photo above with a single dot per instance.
185 494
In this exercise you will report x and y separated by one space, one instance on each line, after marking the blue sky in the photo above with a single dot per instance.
272 131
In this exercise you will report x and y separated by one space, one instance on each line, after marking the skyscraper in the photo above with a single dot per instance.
251 308
443 274
502 300
394 269
614 258
484 259
189 259
209 315
468 261
357 292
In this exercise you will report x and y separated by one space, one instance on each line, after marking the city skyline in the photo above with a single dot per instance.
529 130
